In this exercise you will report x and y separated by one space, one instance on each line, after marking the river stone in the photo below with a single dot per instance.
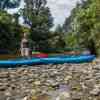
96 90
37 82
22 82
64 96
41 97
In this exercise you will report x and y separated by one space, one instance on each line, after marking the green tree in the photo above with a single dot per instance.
38 17
60 37
85 24
71 40
9 31
9 4
9 26
88 20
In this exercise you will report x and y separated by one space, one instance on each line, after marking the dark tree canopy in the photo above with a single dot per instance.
9 4
9 26
9 31
38 17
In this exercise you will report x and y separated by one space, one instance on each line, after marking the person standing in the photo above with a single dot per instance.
25 46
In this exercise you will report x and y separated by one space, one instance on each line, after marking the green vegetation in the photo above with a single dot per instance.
80 30
9 31
9 28
38 17
4 4
85 24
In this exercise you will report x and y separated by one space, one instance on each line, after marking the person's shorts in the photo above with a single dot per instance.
25 51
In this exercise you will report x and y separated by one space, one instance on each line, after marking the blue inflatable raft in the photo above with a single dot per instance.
50 60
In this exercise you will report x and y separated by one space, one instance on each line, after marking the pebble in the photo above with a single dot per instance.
51 82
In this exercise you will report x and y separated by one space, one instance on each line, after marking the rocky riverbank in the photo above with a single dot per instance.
51 82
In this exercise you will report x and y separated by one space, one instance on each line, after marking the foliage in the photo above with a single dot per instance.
38 17
9 31
60 37
71 40
9 26
85 23
9 4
